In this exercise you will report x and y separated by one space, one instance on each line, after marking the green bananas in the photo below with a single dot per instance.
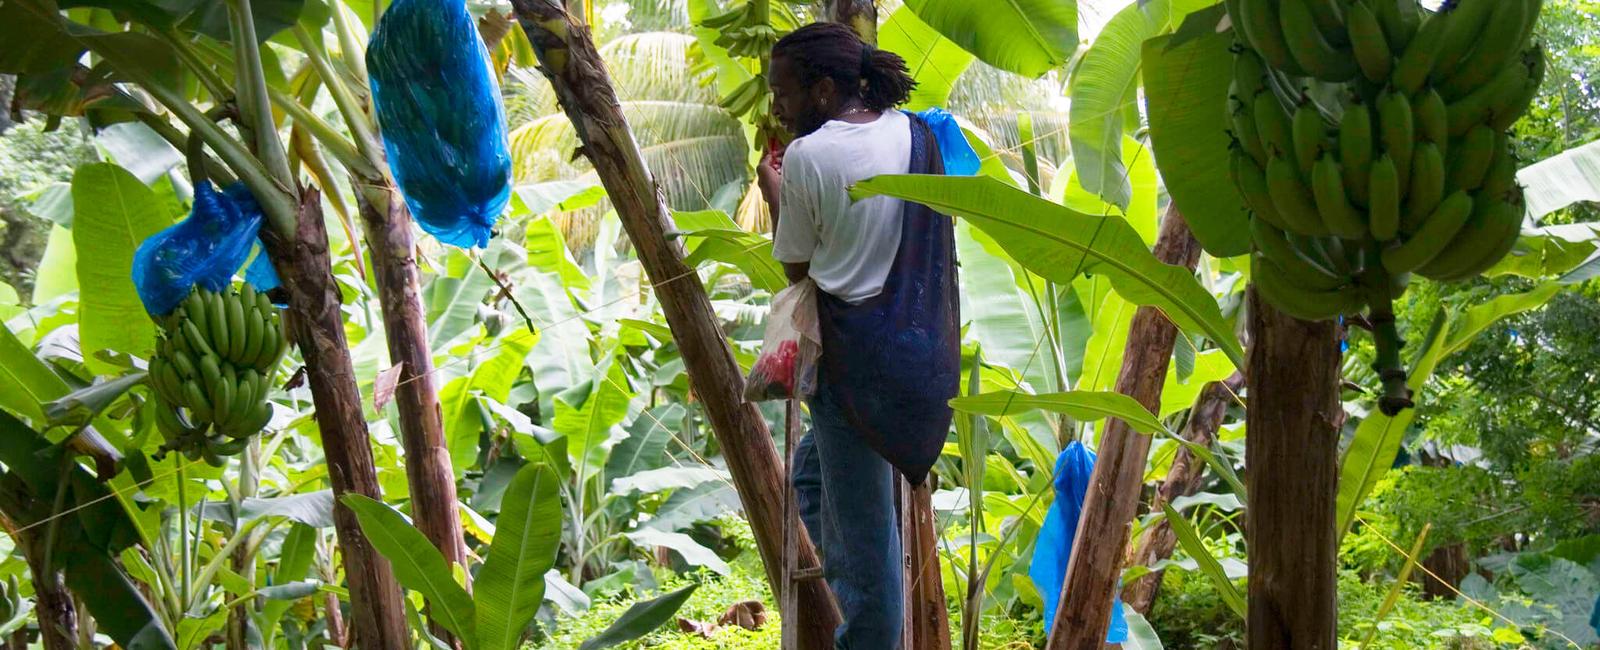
212 371
1414 175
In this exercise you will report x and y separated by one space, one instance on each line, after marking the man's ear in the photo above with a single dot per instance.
825 91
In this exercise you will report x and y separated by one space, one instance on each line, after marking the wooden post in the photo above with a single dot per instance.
318 328
1292 474
1183 479
1083 613
568 58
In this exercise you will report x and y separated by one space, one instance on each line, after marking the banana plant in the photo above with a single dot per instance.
294 232
511 584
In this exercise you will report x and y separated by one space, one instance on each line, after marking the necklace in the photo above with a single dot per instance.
852 111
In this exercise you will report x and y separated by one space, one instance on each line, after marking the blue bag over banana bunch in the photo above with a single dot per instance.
205 250
219 346
1053 550
438 105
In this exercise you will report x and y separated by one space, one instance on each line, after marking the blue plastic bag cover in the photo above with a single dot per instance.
1594 618
438 104
959 158
205 249
1054 545
259 273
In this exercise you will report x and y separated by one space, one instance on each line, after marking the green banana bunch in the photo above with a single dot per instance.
752 40
752 95
746 32
212 371
1415 176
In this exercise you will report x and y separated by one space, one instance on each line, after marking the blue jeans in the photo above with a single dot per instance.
845 493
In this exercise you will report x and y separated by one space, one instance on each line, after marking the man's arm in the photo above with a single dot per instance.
769 179
770 182
796 271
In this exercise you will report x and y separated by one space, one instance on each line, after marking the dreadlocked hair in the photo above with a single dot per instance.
879 78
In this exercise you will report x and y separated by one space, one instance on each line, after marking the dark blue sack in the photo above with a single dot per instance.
1053 548
893 361
438 105
205 249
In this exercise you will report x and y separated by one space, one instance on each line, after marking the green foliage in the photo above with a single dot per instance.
1059 243
1186 86
1104 88
590 483
113 212
34 161
1413 622
1190 614
708 602
1028 37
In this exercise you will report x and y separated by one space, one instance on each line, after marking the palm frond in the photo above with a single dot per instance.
692 149
1050 140
656 66
986 90
658 15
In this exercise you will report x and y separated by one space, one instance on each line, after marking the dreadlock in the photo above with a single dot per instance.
878 77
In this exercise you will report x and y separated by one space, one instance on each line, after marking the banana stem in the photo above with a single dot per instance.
351 50
355 116
273 196
1396 394
219 89
250 94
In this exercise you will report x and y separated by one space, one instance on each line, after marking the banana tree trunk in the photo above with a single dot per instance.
1183 479
391 247
1084 611
568 58
53 610
927 625
860 15
318 327
1292 470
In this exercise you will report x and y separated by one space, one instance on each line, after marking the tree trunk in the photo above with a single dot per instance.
1083 613
392 249
1291 462
53 610
927 618
1183 479
568 58
52 603
318 329
1449 563
238 636
860 15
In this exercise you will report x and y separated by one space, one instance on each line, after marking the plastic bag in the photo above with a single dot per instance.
206 248
1054 546
959 158
444 129
787 367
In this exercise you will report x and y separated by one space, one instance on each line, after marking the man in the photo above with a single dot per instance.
887 306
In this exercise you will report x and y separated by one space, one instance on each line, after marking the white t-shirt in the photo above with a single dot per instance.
850 245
